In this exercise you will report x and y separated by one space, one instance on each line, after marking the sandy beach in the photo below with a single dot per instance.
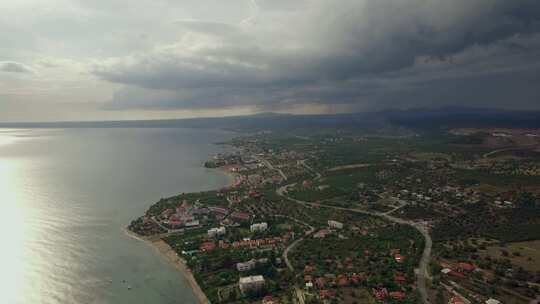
166 251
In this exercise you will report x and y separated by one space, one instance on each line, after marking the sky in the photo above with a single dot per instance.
150 59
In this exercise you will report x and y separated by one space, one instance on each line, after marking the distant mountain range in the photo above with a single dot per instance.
418 119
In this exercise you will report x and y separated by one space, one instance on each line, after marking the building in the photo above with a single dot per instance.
466 267
269 300
241 216
321 234
397 295
259 227
251 283
208 246
247 266
493 301
335 224
193 223
399 258
456 300
215 232
218 210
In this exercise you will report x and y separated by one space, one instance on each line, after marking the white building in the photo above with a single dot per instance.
215 232
252 283
493 301
259 227
249 265
192 223
334 224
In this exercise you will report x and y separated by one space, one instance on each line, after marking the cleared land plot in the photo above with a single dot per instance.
529 257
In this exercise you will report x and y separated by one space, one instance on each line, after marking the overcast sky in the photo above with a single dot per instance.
146 59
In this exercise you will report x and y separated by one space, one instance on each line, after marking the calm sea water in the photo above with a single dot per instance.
65 196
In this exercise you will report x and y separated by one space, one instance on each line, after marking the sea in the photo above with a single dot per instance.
67 194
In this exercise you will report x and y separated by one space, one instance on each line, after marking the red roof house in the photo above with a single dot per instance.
397 295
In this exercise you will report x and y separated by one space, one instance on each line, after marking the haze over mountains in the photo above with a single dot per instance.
446 117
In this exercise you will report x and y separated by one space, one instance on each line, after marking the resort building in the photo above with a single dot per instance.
215 232
252 283
335 224
259 227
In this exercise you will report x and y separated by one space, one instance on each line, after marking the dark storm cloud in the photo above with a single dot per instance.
371 53
14 67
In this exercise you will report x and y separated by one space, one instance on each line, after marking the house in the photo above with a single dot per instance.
307 184
380 293
269 300
321 234
335 224
397 295
342 281
320 282
456 274
207 246
260 227
456 300
467 267
254 194
240 216
200 211
218 210
358 277
327 293
399 258
251 283
215 232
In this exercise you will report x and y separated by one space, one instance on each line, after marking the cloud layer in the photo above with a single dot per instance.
366 53
101 59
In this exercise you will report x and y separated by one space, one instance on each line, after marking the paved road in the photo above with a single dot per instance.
271 167
291 247
421 273
303 163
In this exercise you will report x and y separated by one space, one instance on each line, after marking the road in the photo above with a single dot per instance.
291 246
298 291
510 149
271 167
422 274
303 163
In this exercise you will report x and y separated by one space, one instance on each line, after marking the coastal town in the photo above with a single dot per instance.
342 217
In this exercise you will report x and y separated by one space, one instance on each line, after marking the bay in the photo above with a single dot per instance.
66 195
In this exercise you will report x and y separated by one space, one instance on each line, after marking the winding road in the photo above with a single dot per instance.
422 274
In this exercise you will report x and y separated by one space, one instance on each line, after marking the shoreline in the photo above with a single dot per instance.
164 250
172 257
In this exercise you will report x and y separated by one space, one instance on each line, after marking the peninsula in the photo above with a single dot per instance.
347 217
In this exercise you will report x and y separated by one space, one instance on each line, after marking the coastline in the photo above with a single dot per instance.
168 253
163 249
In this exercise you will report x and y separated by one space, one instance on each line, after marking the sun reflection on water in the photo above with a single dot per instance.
12 233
